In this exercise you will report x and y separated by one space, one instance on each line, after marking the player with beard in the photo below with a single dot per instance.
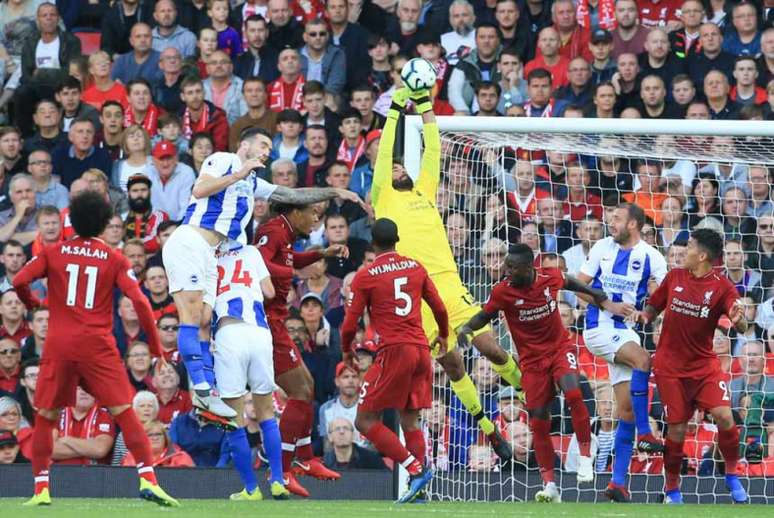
143 222
275 240
423 237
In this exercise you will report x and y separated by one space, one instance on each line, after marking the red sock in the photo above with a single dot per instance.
292 425
137 443
580 420
728 443
304 443
42 447
673 463
387 443
415 443
544 449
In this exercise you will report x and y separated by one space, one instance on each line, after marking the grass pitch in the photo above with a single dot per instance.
118 508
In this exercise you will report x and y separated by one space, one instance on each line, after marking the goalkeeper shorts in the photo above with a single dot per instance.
460 305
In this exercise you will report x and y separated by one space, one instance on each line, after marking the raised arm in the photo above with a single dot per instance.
207 185
430 169
383 167
306 195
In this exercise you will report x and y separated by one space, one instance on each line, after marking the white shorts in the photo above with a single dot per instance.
243 357
605 342
191 263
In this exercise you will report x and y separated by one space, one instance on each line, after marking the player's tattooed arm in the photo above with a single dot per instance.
465 333
306 195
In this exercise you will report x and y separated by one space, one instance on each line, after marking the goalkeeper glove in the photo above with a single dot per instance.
421 100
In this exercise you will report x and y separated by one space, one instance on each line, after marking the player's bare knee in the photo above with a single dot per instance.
452 365
676 432
364 422
723 418
487 345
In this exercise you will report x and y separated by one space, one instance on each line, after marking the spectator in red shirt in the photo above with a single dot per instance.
575 39
165 452
549 58
168 326
12 317
143 221
660 13
286 92
172 400
581 202
86 433
138 366
202 116
10 361
157 285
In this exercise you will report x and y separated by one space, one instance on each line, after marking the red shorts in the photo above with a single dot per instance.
401 377
286 354
102 375
681 396
538 379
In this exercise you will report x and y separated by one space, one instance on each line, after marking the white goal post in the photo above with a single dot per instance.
479 162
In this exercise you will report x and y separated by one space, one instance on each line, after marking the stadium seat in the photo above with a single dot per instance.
90 40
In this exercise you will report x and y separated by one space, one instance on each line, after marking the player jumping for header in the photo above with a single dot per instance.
528 299
220 208
423 237
687 370
401 377
80 348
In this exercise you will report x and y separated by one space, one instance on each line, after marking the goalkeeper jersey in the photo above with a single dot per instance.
420 227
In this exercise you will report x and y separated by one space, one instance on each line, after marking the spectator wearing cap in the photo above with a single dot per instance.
10 452
601 47
142 221
317 113
86 433
629 35
743 38
337 233
479 65
345 453
284 30
202 116
286 92
311 172
259 58
48 190
321 61
222 88
168 33
322 351
289 141
362 98
461 38
574 38
578 91
549 58
343 405
716 90
684 42
403 29
142 61
116 26
365 347
350 36
70 161
657 59
363 175
258 114
711 56
172 181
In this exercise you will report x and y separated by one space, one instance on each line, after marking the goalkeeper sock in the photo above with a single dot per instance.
673 462
624 443
208 362
728 444
191 351
544 448
243 462
42 448
292 425
468 396
509 372
415 443
639 392
137 443
304 442
272 445
580 420
388 444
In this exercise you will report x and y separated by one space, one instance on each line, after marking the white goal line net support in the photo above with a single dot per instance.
487 204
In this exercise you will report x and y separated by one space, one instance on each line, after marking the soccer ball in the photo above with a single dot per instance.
418 74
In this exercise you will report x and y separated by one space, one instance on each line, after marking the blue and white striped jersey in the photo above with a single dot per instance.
240 272
229 211
623 275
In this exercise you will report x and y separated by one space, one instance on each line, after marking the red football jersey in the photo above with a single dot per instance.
82 275
531 313
692 308
274 240
392 289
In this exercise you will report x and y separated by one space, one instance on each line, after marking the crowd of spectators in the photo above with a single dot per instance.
168 83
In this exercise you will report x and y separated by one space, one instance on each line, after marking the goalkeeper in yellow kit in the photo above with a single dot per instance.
423 237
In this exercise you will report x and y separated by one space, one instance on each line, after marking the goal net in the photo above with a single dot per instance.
550 183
